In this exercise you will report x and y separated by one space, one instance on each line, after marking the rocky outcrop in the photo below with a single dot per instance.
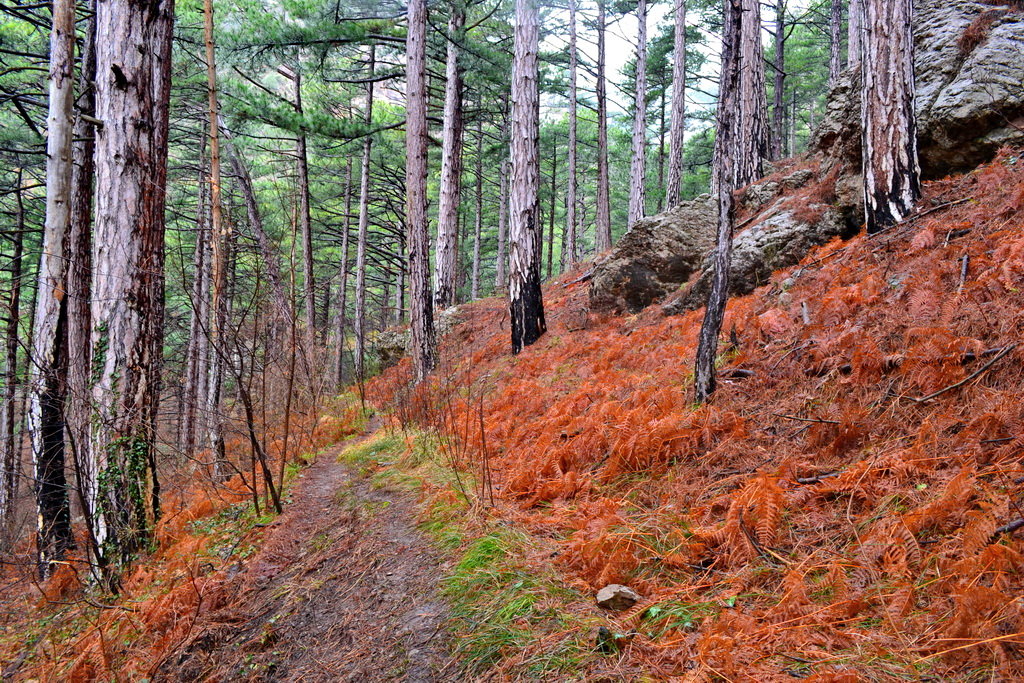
969 90
387 347
655 257
970 102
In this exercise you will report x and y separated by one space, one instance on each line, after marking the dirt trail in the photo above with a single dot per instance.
343 589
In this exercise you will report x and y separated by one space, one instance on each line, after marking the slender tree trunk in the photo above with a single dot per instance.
220 236
446 251
48 368
339 359
363 229
603 238
305 224
478 224
779 104
525 300
195 376
424 351
677 133
554 204
10 453
855 34
501 268
728 170
133 66
835 34
892 173
570 254
638 170
79 273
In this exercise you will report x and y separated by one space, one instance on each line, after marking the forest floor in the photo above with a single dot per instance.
343 588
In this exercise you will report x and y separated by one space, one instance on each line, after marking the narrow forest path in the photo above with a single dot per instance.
344 588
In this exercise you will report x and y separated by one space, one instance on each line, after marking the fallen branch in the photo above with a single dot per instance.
817 478
980 371
806 419
1009 528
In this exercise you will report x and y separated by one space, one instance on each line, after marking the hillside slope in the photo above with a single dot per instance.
845 508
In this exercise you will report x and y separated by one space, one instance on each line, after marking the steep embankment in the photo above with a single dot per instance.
847 503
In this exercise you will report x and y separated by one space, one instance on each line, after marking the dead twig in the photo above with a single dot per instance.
974 375
806 419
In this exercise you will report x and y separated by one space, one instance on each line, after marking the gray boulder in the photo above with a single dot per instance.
389 346
655 257
969 91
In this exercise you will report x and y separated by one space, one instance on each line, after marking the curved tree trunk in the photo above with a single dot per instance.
424 352
739 59
892 173
133 66
638 168
677 125
525 301
446 251
339 358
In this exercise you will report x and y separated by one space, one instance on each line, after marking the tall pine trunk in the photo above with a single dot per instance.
855 34
424 352
305 224
677 121
570 253
835 40
363 229
133 67
478 218
603 238
10 453
892 173
779 104
339 358
525 301
447 251
220 238
48 367
637 171
196 376
501 267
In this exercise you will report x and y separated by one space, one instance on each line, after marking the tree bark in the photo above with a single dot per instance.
779 104
603 238
48 368
363 229
892 173
855 34
835 36
133 66
753 131
10 453
553 205
677 124
220 237
196 375
570 254
339 359
637 171
79 273
446 251
305 224
501 268
525 299
478 224
727 171
424 352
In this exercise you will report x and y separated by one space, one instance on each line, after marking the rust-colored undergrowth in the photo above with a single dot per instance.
836 511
